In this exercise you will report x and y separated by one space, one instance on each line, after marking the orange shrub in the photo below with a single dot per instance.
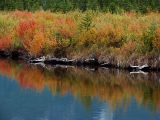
66 27
44 15
156 42
26 28
127 49
26 31
115 36
38 43
22 15
5 43
112 35
31 35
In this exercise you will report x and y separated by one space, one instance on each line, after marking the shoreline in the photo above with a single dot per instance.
90 62
122 41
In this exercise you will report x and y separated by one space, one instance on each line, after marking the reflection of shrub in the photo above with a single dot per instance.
109 86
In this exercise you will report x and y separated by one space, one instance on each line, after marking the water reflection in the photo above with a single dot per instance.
76 94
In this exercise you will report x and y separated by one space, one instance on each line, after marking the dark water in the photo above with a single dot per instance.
35 93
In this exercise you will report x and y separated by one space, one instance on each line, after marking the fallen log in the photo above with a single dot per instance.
138 67
38 60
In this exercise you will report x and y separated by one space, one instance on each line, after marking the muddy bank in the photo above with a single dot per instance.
143 63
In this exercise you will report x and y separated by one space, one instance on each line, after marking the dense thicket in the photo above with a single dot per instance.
67 5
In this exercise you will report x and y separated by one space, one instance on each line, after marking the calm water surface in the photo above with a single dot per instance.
30 92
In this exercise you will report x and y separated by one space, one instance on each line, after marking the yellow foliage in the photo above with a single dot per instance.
88 37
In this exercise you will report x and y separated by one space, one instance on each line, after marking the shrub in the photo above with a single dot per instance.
32 36
45 32
156 41
7 29
148 38
65 31
19 15
26 31
37 44
5 43
86 23
88 38
66 27
128 49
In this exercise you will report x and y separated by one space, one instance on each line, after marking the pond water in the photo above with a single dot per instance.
33 92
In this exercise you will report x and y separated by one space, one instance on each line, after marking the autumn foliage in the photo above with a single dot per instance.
5 43
42 33
31 36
